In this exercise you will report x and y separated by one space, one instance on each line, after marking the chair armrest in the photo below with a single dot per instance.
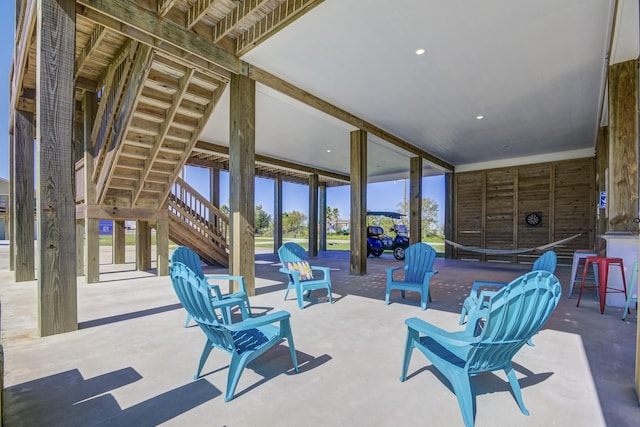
216 290
325 270
254 322
230 302
480 284
390 271
456 339
239 279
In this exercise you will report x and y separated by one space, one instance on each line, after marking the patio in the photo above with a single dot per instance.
131 362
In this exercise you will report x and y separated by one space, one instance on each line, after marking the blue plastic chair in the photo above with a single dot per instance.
189 258
514 314
546 262
300 273
418 270
633 285
244 341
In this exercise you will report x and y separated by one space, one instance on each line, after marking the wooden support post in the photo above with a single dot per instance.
623 146
92 225
358 254
143 246
22 199
602 163
323 217
162 247
277 214
119 244
12 196
57 286
313 215
80 228
415 200
449 198
242 179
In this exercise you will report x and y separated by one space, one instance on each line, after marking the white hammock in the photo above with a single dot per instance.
510 251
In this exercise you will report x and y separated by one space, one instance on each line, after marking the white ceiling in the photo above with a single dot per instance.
534 69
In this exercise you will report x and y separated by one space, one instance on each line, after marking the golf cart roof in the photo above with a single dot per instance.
388 214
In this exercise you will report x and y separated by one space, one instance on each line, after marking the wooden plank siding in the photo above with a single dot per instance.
490 208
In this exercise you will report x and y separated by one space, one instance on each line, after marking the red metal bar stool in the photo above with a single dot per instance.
603 264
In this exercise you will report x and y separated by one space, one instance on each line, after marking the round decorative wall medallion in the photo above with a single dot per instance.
533 219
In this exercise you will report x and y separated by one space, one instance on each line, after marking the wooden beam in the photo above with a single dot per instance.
322 211
415 199
23 196
94 40
91 248
277 214
449 214
57 287
242 182
267 79
164 6
143 246
623 146
244 9
118 245
288 11
313 215
197 10
24 39
120 213
164 129
209 147
162 248
131 15
358 253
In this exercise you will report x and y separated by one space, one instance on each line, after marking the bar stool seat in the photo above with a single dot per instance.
579 256
603 275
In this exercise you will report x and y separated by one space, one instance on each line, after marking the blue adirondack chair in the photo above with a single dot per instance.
515 313
300 273
189 258
244 341
546 262
418 270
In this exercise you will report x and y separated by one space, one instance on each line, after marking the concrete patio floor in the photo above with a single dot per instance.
131 362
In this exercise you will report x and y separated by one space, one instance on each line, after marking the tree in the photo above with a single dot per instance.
262 220
333 216
429 216
225 209
292 221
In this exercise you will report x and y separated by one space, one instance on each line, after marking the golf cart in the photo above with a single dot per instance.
378 241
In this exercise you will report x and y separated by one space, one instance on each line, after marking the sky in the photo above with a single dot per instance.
380 196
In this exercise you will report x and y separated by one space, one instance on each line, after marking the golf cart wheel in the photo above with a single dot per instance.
377 252
398 252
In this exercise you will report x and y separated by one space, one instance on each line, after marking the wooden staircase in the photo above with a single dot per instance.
150 116
196 223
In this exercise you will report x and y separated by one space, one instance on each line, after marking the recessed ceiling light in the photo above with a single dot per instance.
480 117
328 151
420 51
506 145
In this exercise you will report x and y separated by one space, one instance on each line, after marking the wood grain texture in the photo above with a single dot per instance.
118 245
143 245
242 179
57 288
23 196
415 199
313 215
358 254
623 146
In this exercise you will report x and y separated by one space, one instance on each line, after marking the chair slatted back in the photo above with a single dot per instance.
291 252
189 258
418 260
546 262
515 314
195 296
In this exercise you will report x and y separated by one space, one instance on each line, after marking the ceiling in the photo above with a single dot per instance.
536 71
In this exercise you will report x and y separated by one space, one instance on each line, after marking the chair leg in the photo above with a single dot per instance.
402 293
386 297
329 294
246 301
203 358
412 337
300 297
186 323
462 388
515 386
285 332
238 362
